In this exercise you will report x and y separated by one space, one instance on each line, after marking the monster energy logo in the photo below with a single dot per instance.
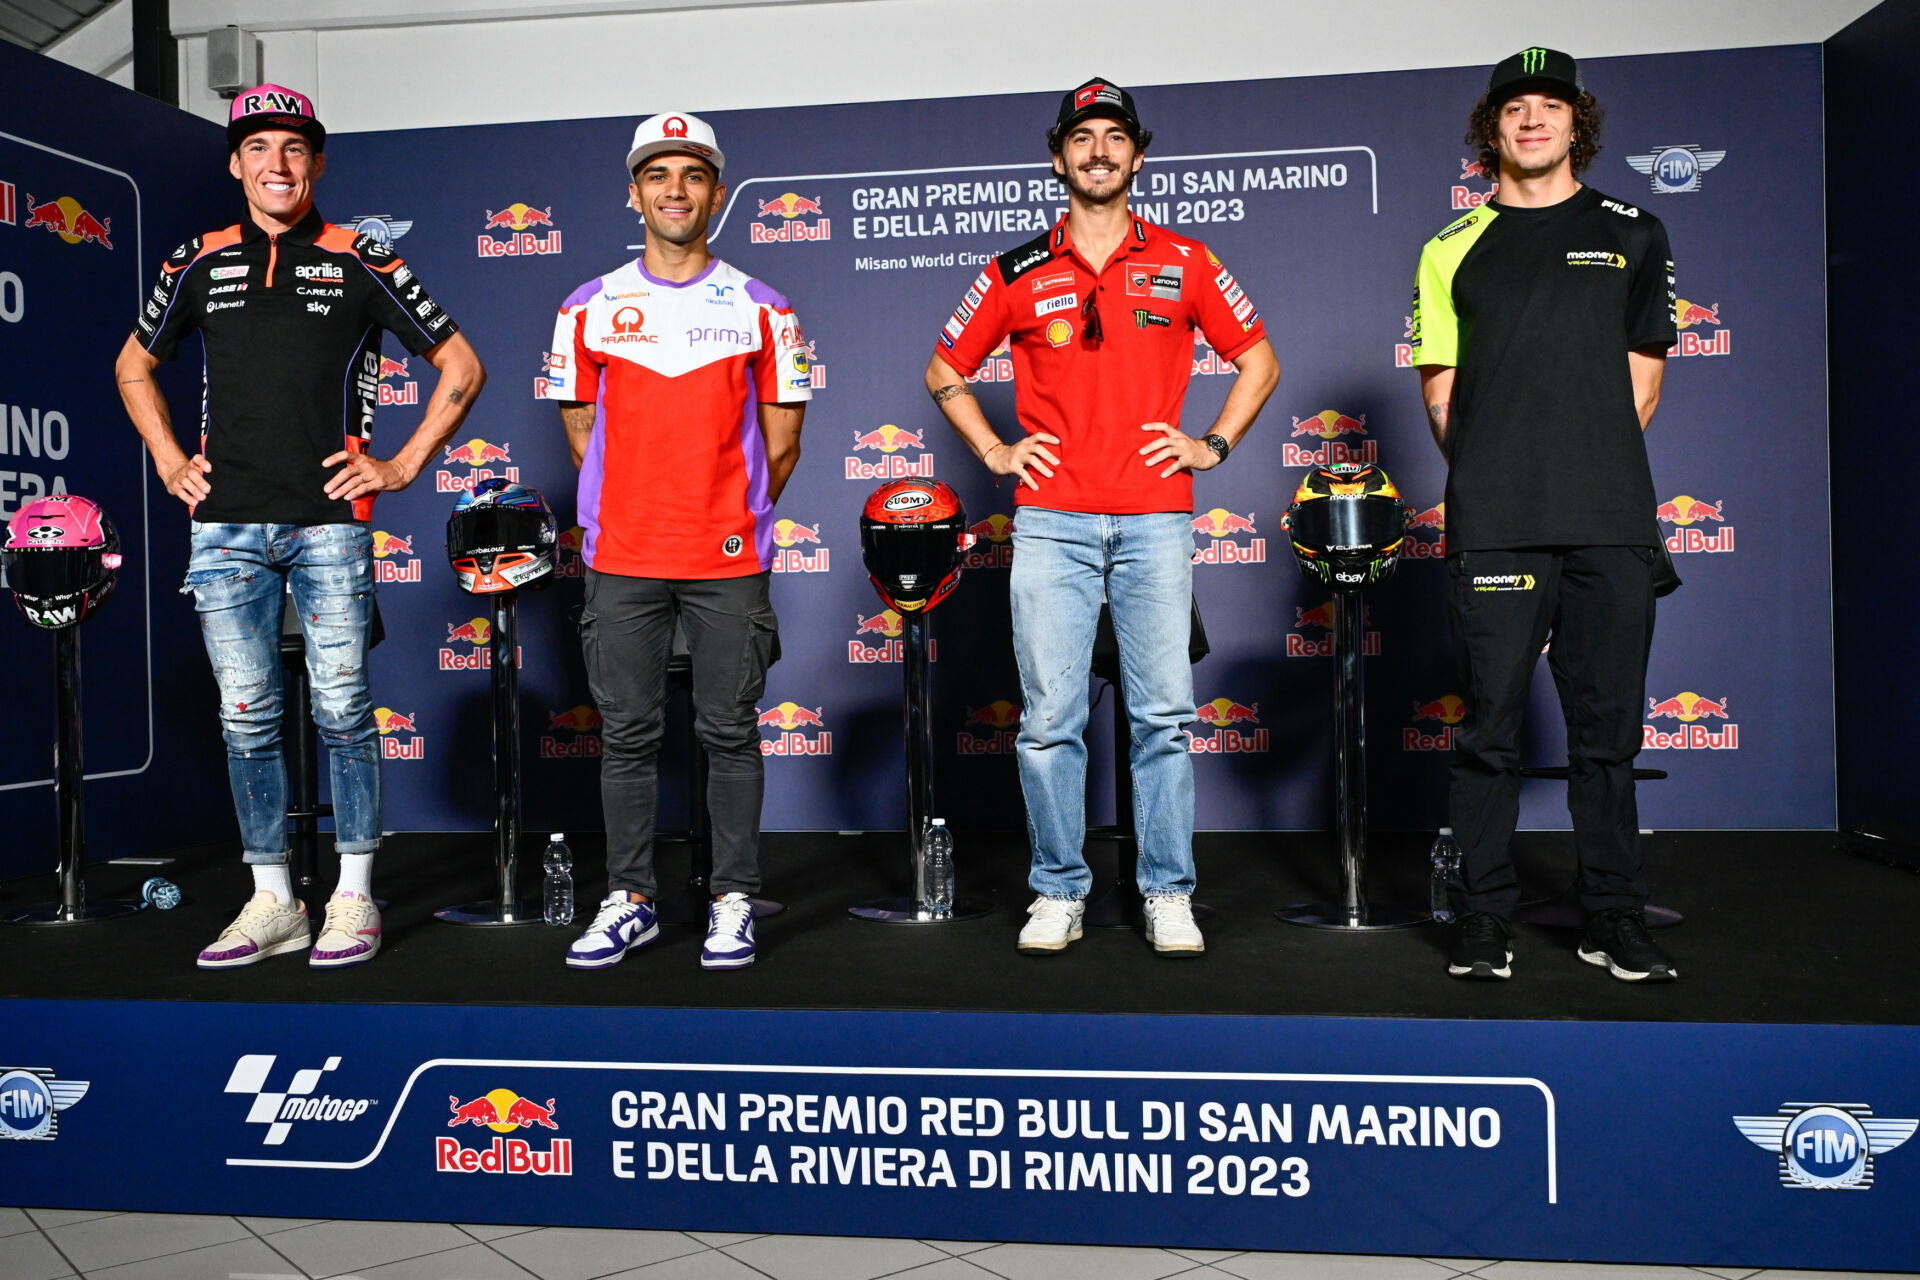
1142 318
1532 61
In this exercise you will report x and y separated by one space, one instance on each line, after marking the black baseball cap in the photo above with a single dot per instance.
1096 97
1546 68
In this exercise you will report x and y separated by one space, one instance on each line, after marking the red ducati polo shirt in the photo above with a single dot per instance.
1154 291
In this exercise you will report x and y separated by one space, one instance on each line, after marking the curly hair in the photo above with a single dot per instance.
1483 127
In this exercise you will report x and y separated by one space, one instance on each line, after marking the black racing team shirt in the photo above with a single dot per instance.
291 325
1537 309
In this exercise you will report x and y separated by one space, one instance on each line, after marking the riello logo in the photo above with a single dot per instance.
787 210
1693 731
388 563
573 734
790 721
504 1112
1684 513
992 544
789 536
1331 427
888 626
1302 645
476 455
1433 727
518 219
1432 520
1234 732
988 731
1220 526
1689 316
888 441
399 740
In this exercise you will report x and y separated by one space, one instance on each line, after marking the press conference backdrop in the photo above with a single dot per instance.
1317 194
97 184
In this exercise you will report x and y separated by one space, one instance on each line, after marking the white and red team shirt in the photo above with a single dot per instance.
1153 294
674 482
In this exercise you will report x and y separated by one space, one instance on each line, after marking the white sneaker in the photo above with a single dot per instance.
263 928
1170 926
351 934
1055 923
729 942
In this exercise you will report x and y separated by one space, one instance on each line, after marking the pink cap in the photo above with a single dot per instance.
273 106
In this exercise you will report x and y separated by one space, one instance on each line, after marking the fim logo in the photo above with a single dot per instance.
475 455
1224 714
297 1101
788 535
889 440
1329 425
31 1101
386 567
1689 315
393 747
1675 169
992 544
1220 525
1826 1146
68 220
1300 645
790 719
1448 710
477 632
504 1112
888 625
383 227
1689 709
521 242
998 366
580 726
1684 512
1466 197
788 209
988 731
1435 519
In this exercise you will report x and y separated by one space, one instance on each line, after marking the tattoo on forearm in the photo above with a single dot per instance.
456 395
1438 412
127 382
948 392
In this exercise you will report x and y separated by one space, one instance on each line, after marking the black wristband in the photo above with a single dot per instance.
1219 445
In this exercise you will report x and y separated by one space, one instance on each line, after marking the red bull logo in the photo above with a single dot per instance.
478 455
1686 511
888 440
66 218
1432 520
1300 645
997 367
1689 709
992 544
568 553
518 220
1207 361
1466 197
789 208
391 725
1447 711
1403 351
1332 428
504 1112
1221 527
1227 716
791 720
789 536
988 731
573 734
388 565
407 392
1691 315
478 633
888 625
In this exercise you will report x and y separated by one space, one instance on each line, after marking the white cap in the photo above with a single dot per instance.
675 131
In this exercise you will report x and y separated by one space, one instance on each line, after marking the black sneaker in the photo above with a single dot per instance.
1617 938
1483 948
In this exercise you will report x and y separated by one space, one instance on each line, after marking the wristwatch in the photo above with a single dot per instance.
1219 445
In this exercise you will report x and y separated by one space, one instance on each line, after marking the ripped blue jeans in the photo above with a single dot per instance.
238 575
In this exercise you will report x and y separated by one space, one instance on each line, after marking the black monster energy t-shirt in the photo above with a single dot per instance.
1537 309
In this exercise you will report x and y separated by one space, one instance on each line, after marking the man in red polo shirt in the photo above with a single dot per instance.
1100 310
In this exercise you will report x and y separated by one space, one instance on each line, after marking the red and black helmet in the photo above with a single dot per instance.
913 534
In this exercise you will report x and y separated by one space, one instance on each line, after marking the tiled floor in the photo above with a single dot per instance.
48 1244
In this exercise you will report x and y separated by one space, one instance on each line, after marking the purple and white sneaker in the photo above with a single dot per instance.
729 933
351 934
620 927
263 928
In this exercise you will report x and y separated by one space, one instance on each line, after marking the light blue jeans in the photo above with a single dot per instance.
1064 562
238 575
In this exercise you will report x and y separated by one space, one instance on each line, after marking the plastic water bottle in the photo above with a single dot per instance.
161 893
1446 874
938 846
557 897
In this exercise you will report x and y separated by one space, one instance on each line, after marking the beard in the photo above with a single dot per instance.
1076 183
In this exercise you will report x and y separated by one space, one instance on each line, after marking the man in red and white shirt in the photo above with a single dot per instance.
682 384
1101 312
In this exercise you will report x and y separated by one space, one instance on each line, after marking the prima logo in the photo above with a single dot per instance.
1826 1146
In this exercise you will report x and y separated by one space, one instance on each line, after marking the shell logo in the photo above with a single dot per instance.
1448 708
1059 332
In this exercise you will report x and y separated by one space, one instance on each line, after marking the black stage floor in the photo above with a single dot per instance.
1780 927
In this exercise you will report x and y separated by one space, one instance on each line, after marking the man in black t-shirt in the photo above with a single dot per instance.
290 310
1541 325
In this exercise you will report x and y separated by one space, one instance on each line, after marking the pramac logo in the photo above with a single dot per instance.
629 325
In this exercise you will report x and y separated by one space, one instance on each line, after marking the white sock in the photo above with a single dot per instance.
356 874
276 878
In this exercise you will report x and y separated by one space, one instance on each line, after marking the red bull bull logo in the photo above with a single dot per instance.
1432 520
393 745
789 208
405 391
888 441
789 536
988 731
66 218
1233 723
1691 315
1466 197
992 544
480 457
1686 511
393 558
1403 351
1207 361
1333 429
504 1112
790 721
888 626
573 734
1691 710
1221 527
569 553
518 220
997 367
477 633
1446 711
1300 645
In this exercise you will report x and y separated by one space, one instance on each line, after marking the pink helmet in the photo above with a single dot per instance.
61 558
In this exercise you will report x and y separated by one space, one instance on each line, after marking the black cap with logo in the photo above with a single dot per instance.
1544 68
1096 97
